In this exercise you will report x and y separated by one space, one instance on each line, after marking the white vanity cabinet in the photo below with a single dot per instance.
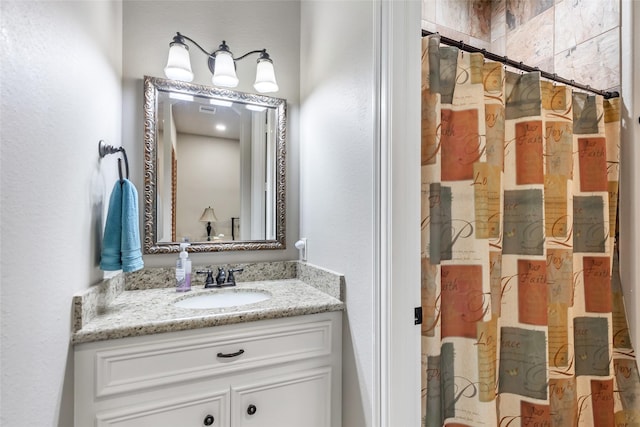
280 372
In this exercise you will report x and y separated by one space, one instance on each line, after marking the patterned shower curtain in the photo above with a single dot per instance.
523 315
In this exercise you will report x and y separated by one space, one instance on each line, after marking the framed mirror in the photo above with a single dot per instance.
214 168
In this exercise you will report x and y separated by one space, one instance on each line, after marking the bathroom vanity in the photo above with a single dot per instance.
145 361
264 353
281 372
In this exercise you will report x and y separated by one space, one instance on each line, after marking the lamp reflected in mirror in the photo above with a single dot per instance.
209 216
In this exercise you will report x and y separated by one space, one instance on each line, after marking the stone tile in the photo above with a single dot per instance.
532 42
453 14
429 26
557 36
498 19
429 11
547 64
480 44
452 34
595 62
579 20
480 19
520 12
499 46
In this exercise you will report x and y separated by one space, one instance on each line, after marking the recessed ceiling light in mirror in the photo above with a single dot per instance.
255 107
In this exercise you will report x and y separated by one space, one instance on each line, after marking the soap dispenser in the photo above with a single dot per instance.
183 269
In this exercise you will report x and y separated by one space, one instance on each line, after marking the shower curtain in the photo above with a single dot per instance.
523 314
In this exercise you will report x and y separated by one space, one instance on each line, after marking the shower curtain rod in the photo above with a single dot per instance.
520 65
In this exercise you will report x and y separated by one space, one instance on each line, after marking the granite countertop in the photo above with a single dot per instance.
151 311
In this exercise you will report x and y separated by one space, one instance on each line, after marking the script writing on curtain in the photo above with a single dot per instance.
523 312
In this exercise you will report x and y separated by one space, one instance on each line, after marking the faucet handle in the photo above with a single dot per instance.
231 279
209 279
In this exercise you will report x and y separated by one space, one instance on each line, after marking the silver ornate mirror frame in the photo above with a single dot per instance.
152 85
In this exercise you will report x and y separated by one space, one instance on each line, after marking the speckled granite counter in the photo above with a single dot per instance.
127 313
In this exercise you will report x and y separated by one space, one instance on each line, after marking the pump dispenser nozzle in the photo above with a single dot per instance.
183 269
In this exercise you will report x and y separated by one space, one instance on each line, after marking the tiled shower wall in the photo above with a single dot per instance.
576 39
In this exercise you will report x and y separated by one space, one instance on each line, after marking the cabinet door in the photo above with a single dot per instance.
211 409
301 399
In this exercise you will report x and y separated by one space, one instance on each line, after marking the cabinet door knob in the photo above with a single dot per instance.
208 420
251 409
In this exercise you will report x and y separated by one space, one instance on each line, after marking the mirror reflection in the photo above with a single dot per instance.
214 168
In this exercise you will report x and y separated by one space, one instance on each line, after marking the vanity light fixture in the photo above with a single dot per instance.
221 63
208 216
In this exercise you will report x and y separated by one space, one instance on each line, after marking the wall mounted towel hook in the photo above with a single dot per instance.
104 149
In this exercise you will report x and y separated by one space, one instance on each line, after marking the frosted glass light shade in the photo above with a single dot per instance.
265 77
178 63
225 70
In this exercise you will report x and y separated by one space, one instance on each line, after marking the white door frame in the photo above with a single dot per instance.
398 212
629 165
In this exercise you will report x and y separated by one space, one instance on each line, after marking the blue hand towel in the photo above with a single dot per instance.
110 260
121 241
130 241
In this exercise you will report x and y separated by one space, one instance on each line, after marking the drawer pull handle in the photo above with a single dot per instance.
208 420
251 409
228 355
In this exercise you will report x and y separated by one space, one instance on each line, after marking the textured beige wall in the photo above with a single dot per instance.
576 39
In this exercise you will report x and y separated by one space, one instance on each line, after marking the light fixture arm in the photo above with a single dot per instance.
180 38
263 52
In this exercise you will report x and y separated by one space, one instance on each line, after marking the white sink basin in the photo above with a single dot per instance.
222 298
